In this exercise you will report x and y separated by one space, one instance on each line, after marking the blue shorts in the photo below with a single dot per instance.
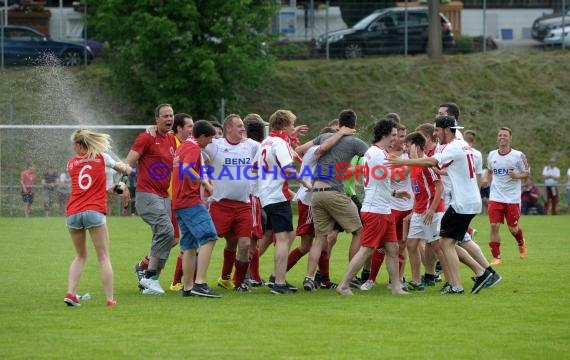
197 227
85 220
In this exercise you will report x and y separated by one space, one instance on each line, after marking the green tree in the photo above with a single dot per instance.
352 11
188 53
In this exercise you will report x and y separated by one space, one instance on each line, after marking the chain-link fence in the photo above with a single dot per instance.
356 28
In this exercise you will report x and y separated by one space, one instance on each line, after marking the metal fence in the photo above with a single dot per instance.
405 32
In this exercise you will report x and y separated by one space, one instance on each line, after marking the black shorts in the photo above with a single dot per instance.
28 197
454 225
485 192
279 217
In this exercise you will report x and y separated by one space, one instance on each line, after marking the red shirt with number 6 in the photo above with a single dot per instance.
88 184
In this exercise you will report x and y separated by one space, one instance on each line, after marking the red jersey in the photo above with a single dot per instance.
88 184
423 179
155 162
186 192
28 178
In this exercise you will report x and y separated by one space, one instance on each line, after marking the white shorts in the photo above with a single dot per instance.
419 230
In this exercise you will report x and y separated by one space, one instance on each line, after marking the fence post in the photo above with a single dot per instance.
11 151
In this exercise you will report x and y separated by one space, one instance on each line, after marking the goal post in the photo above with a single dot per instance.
45 144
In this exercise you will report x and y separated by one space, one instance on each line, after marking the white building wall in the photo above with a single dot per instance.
500 21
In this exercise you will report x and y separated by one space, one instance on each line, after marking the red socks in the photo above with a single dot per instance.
144 263
177 278
254 266
519 237
377 260
324 265
293 257
229 259
495 249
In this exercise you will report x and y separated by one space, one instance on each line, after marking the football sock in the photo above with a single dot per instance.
241 270
229 259
519 237
365 274
376 263
177 278
495 249
144 263
254 266
294 256
324 262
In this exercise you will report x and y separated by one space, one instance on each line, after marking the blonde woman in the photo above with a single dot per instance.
87 208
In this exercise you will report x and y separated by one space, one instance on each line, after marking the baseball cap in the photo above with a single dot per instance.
447 121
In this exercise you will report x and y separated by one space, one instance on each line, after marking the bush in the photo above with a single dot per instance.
464 44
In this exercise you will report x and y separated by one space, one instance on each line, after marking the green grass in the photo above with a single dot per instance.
524 317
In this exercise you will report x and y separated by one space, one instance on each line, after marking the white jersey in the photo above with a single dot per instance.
232 164
377 191
478 158
457 159
504 189
309 167
273 154
402 204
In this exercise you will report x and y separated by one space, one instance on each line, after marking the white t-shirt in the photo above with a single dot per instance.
230 163
377 191
310 164
458 161
273 154
551 171
504 189
402 204
109 172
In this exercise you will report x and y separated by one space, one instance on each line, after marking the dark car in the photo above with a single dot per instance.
26 46
383 32
542 25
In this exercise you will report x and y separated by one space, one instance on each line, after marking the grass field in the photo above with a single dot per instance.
525 316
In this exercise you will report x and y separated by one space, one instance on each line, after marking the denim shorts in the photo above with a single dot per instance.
85 220
196 226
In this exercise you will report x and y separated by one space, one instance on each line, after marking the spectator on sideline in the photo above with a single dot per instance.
530 197
27 180
63 191
155 156
507 167
49 182
568 190
87 207
551 175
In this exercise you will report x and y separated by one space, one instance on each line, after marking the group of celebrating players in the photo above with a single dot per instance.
423 210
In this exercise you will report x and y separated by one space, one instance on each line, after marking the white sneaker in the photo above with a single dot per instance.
83 297
368 285
152 285
149 292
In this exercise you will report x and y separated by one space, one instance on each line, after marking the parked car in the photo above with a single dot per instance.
26 46
542 25
554 36
383 32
